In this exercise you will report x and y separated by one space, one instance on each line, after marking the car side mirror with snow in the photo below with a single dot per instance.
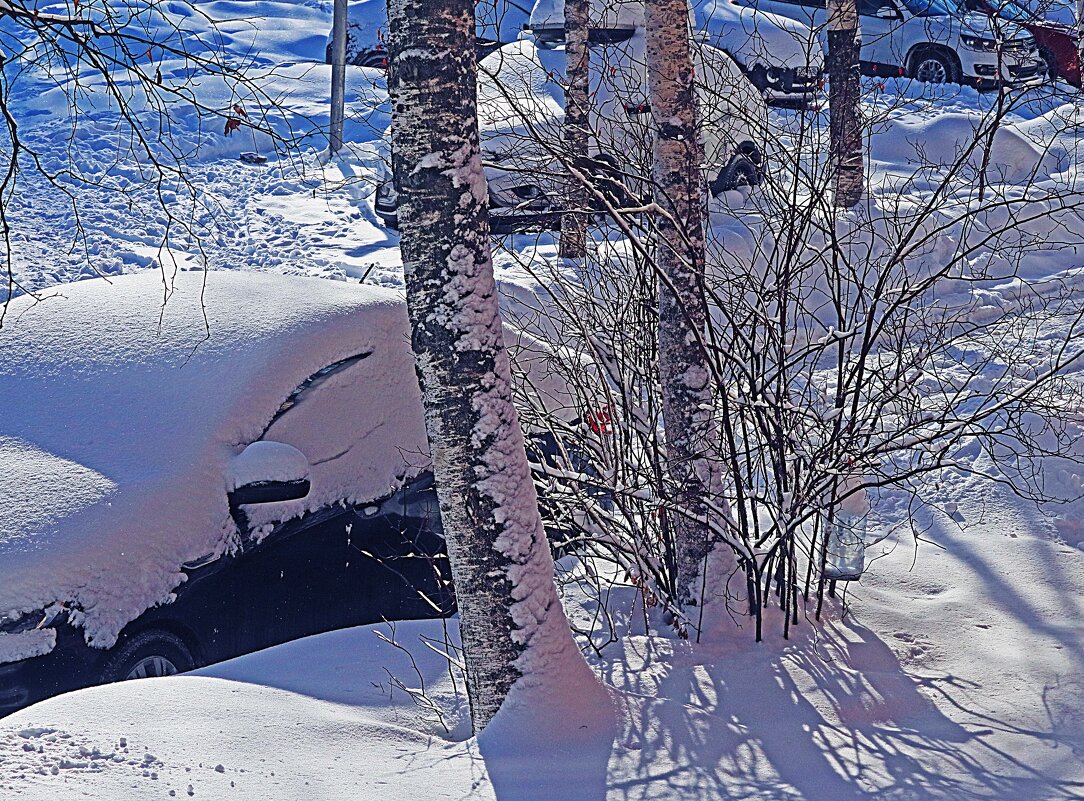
888 12
267 472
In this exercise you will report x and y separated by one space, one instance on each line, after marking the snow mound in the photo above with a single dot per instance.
1011 157
125 403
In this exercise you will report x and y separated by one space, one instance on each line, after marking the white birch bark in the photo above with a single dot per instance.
691 434
511 620
844 95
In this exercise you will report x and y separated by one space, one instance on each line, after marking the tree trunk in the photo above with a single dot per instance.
691 435
511 620
844 94
574 223
338 75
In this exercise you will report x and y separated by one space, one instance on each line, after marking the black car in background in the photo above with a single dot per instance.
344 565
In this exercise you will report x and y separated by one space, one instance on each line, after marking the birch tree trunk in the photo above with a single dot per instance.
573 243
511 620
691 435
844 93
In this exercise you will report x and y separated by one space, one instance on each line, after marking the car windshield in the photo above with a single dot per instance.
1011 10
934 8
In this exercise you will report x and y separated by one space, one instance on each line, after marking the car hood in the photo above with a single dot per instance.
751 36
125 401
976 24
756 37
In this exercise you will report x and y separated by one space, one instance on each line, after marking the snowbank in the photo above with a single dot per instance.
954 675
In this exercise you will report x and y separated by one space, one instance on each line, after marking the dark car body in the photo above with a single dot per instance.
338 567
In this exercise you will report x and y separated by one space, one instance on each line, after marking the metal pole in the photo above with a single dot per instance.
338 74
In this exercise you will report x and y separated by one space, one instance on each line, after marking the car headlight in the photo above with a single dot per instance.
979 43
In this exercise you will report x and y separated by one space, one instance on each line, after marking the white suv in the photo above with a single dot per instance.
521 113
936 41
781 56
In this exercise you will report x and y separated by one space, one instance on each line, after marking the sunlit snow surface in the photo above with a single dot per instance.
954 674
956 677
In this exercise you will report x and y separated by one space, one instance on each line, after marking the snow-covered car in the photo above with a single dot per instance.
202 469
521 113
496 21
781 56
935 41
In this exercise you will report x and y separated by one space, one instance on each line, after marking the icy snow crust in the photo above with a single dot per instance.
124 405
26 644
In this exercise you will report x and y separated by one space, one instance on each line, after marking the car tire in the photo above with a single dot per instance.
1052 71
372 58
740 172
366 58
609 179
758 76
933 66
147 654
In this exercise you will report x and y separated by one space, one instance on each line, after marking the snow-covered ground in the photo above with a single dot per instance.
953 675
953 671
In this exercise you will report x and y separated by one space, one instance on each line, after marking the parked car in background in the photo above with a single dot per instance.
496 22
185 482
781 57
1056 40
521 113
936 41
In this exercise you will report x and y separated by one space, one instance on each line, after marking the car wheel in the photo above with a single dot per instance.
758 76
146 655
738 173
933 67
606 173
373 58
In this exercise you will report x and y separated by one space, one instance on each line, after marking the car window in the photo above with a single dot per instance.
418 499
934 8
869 8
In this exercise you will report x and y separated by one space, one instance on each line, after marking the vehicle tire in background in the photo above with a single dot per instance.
147 654
934 66
1052 72
740 172
605 171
